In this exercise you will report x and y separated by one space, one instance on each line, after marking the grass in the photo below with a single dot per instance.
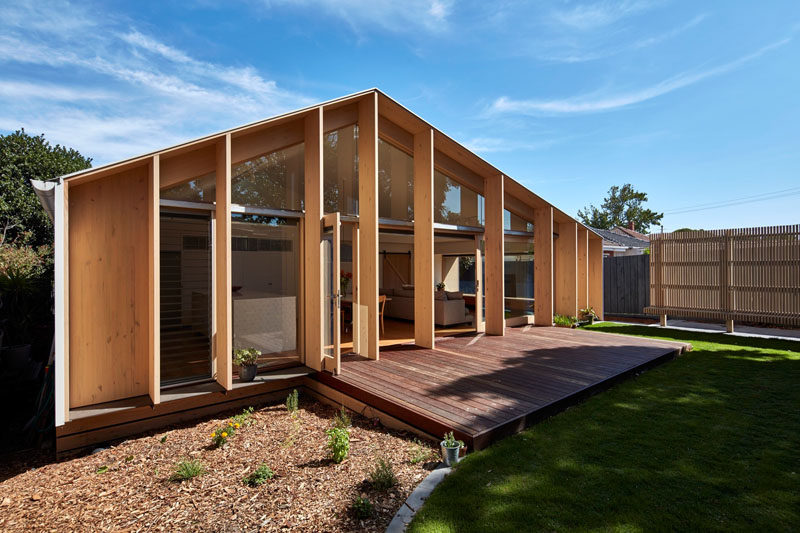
187 469
710 441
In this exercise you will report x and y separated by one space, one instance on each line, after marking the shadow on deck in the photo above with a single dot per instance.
484 388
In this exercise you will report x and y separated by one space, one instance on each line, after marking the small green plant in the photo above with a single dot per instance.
419 452
342 418
564 321
243 419
382 476
187 469
102 470
588 313
450 441
292 401
259 476
163 439
245 356
128 458
338 443
362 507
440 286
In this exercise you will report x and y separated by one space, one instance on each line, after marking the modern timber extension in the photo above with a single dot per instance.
325 227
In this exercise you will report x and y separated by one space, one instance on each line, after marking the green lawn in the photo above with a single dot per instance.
710 441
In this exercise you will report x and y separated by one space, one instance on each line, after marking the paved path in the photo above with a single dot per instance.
740 331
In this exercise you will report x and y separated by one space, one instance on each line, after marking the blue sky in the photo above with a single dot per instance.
695 103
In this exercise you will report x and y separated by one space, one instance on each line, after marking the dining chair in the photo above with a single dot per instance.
382 304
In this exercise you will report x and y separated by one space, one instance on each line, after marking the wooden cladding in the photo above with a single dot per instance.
750 274
109 278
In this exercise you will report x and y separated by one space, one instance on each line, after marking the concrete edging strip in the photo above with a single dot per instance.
410 507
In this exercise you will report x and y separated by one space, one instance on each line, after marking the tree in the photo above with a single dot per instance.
24 157
621 206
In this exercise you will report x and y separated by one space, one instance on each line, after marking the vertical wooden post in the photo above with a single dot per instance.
583 267
493 236
154 281
313 239
729 325
368 220
480 325
566 301
423 239
543 266
662 319
595 262
222 250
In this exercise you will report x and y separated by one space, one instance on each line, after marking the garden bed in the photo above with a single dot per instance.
127 487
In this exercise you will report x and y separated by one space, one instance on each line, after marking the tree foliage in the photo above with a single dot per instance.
622 205
24 157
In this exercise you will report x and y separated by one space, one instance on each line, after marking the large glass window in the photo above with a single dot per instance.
341 171
395 183
518 276
512 222
456 204
201 189
271 181
185 276
265 282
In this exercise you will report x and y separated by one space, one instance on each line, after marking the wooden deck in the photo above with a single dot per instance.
484 388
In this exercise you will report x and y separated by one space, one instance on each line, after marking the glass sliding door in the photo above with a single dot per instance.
265 279
185 274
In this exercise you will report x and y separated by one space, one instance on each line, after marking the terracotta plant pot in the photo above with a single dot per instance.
247 372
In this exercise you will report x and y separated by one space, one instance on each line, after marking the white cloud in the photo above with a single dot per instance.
595 102
363 15
485 145
589 16
153 94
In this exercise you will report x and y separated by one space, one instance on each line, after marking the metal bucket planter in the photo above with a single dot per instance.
247 372
450 456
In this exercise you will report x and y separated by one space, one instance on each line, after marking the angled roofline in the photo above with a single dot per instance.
488 168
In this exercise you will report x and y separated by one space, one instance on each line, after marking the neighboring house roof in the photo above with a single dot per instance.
631 233
612 238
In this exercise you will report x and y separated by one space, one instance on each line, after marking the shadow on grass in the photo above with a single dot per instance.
710 441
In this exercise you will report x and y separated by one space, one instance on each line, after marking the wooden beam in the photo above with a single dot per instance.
566 272
583 267
494 238
543 266
368 220
423 239
337 118
390 131
223 341
187 166
154 282
265 141
458 172
596 275
313 239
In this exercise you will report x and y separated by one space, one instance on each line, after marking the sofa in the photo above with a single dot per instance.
448 307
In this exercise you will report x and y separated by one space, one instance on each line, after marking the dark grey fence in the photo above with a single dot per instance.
626 285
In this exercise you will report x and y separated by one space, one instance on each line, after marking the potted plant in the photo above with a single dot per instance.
588 316
451 448
440 286
564 321
245 359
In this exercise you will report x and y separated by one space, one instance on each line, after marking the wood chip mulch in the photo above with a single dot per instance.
127 488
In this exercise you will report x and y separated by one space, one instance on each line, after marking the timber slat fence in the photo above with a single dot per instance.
626 285
750 274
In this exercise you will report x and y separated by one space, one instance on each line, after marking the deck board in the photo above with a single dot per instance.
485 387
